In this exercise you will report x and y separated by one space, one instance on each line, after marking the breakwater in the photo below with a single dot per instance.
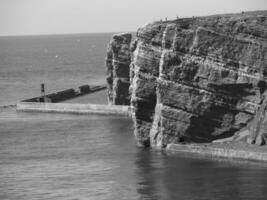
67 94
50 103
74 108
234 151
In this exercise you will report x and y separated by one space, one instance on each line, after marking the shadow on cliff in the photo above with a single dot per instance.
219 122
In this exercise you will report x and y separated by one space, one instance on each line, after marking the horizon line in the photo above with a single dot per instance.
75 33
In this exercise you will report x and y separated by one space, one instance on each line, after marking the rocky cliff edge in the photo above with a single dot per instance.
194 79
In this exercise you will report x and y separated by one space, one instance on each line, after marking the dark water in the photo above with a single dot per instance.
54 156
58 156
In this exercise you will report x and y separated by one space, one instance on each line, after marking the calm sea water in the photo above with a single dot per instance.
59 61
59 156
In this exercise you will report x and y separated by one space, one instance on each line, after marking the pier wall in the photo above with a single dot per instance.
233 151
74 108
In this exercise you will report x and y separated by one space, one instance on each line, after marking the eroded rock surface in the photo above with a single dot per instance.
257 128
117 67
198 79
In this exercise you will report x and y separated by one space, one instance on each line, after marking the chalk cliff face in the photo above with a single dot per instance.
198 79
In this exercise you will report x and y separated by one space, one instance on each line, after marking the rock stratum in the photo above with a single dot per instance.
117 67
194 79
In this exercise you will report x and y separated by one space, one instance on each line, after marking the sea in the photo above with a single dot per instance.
95 157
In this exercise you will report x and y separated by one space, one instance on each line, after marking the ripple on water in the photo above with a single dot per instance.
59 156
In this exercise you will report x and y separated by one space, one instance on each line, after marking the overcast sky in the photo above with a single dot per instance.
24 17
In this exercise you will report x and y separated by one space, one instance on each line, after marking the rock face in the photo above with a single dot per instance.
257 129
117 67
198 79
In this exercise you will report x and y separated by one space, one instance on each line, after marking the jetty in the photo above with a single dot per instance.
52 103
74 108
67 94
229 150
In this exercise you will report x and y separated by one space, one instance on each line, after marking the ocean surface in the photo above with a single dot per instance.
63 156
59 61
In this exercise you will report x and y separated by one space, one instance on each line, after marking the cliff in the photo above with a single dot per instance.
117 67
194 79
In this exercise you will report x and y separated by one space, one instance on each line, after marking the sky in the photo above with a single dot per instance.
38 17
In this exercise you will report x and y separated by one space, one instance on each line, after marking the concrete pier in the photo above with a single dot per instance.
74 108
215 151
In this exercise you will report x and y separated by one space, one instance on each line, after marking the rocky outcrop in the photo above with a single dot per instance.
117 67
198 79
257 129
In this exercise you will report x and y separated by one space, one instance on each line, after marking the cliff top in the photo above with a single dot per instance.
248 14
